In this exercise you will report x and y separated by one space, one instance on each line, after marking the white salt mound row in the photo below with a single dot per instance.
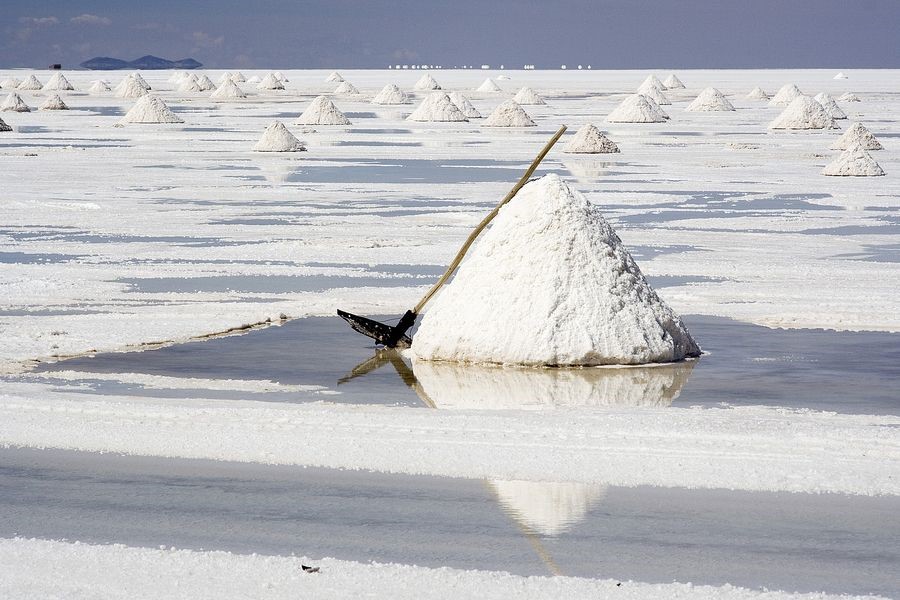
228 90
787 94
335 77
390 94
205 84
239 78
590 140
270 82
653 92
803 113
10 83
757 93
58 82
550 283
849 97
149 109
673 83
277 138
637 109
857 135
509 114
463 104
488 86
710 99
130 88
322 111
427 82
4 126
830 106
31 83
528 96
98 87
855 162
437 106
14 103
345 87
53 102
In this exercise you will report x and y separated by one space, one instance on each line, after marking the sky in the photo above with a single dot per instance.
607 34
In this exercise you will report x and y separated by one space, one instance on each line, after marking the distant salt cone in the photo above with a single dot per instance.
270 82
840 76
855 162
550 283
149 109
857 135
787 94
189 84
205 84
849 97
98 87
143 83
58 82
509 114
130 88
427 82
229 90
437 106
277 138
590 140
252 80
654 93
489 86
176 77
637 109
322 111
346 88
14 103
53 102
31 83
281 77
226 76
656 107
830 106
804 113
653 80
10 83
528 97
757 93
238 77
334 77
463 104
390 94
673 83
4 126
710 99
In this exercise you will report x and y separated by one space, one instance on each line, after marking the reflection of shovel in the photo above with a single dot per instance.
394 336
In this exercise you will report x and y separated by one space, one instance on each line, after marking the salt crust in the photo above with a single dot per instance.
785 95
854 162
463 104
322 111
550 283
14 103
53 102
437 106
345 87
830 106
637 108
277 138
488 86
527 96
509 114
228 89
803 113
757 93
150 109
857 135
590 140
390 94
427 82
710 99
672 82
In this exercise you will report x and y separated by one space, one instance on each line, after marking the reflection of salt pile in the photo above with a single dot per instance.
31 83
509 114
787 94
528 97
672 82
53 102
855 162
14 103
547 508
335 77
390 94
345 87
637 109
550 283
58 82
270 82
849 97
757 93
803 113
150 109
98 87
857 135
130 88
488 86
322 111
228 89
830 106
4 126
437 106
277 138
590 140
10 83
463 104
587 170
710 99
654 93
427 82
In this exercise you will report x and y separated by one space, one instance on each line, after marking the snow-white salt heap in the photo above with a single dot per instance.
855 162
437 106
149 109
840 76
857 135
58 82
509 114
528 96
98 87
849 97
830 106
205 83
228 90
4 126
239 78
672 82
10 83
637 109
345 87
281 77
335 77
176 77
488 86
463 104
53 102
189 84
590 140
654 93
226 76
550 283
427 82
787 94
757 93
270 82
143 83
31 83
252 80
653 80
277 138
322 111
803 113
130 88
710 99
14 103
390 94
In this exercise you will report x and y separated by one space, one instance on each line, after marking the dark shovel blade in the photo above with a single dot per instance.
385 335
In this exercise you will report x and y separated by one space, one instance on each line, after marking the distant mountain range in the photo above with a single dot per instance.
105 63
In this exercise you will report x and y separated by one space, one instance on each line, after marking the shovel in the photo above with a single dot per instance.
394 336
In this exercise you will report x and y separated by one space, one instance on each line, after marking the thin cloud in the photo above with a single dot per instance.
88 19
201 39
39 21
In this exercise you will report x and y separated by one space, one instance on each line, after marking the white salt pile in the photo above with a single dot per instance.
463 104
672 82
830 106
335 77
205 83
757 93
488 86
98 87
637 109
347 88
550 283
58 82
427 82
710 99
322 111
528 97
239 78
149 109
227 91
253 80
189 84
849 97
143 83
130 88
804 113
787 94
390 94
654 93
857 135
590 140
840 76
14 103
277 138
854 162
10 83
177 76
53 102
281 77
509 114
226 76
653 80
31 83
270 82
437 106
4 126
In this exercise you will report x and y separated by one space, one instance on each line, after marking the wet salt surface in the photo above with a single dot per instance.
848 372
796 542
